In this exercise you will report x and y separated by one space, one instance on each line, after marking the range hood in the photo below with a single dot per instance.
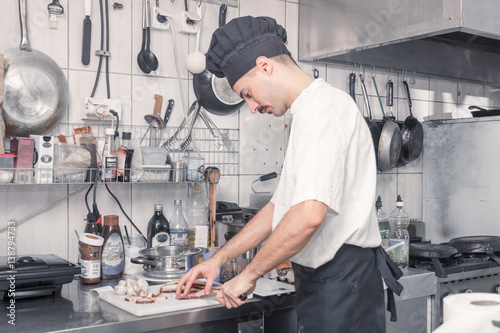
453 38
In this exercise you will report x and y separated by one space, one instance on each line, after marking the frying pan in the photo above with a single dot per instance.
412 135
434 252
389 145
374 126
213 93
36 90
478 244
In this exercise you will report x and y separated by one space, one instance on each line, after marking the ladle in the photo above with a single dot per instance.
140 57
195 61
212 175
149 57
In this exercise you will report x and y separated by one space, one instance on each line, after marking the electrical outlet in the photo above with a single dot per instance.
98 108
184 22
157 19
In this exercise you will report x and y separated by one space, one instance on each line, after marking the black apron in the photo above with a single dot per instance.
346 294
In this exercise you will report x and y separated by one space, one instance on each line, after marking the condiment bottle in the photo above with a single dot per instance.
93 227
158 229
383 223
124 155
113 252
109 157
399 238
89 246
179 229
197 209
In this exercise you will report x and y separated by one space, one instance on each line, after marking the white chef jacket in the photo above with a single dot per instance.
330 158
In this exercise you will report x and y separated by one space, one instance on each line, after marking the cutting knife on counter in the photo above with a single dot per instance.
87 30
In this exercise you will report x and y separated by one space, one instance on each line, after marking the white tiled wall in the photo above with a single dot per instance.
263 138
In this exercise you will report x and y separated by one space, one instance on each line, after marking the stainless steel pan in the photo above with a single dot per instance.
478 244
36 90
412 134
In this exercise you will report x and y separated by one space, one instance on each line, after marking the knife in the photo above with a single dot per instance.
87 29
168 111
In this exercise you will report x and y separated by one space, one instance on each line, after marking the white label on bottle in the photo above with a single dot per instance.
112 255
201 236
179 237
109 168
161 239
92 268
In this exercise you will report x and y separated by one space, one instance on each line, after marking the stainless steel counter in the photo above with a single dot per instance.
76 309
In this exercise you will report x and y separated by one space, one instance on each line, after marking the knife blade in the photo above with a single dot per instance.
168 111
87 29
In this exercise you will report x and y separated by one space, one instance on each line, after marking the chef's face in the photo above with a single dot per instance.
258 90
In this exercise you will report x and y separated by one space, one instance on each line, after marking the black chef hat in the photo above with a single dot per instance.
235 46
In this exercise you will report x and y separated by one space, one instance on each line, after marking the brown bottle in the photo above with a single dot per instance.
113 254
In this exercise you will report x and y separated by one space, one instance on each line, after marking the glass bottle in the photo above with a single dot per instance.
383 223
399 238
197 208
113 252
158 229
109 157
124 158
179 229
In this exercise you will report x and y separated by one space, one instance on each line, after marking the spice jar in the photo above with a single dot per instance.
89 246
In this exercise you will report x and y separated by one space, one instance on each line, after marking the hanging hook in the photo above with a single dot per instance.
413 80
403 74
315 69
390 76
373 71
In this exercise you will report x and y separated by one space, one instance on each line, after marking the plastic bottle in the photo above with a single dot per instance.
383 223
179 229
398 233
158 229
113 252
109 157
197 208
124 156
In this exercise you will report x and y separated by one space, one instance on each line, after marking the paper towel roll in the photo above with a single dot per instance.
470 305
472 312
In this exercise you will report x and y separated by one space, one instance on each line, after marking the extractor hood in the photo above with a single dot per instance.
453 38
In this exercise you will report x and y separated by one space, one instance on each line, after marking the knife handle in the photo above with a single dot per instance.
87 29
168 111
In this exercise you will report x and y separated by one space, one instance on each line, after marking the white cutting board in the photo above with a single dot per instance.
267 287
169 305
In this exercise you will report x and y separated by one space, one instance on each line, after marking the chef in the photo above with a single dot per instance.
321 215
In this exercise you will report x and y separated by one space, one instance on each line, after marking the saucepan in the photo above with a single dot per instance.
36 90
213 93
167 261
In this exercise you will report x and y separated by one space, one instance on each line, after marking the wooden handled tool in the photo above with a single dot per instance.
212 175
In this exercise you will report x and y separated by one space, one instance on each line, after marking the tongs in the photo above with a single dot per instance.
220 139
169 144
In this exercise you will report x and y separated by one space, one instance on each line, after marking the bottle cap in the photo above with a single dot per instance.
177 202
110 131
111 220
399 201
158 207
126 135
91 239
378 203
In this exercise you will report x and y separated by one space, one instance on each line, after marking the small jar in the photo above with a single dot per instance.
90 246
178 172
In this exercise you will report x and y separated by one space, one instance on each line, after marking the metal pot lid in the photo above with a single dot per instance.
170 251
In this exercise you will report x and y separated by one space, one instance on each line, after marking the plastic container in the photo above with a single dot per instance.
90 247
113 251
6 167
179 229
71 163
383 223
197 209
399 238
152 156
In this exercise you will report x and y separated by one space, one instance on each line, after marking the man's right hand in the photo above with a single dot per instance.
208 269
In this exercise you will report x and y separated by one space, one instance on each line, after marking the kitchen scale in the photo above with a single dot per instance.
35 275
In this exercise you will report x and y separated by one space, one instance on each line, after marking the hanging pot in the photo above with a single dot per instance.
412 135
374 126
36 90
213 93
